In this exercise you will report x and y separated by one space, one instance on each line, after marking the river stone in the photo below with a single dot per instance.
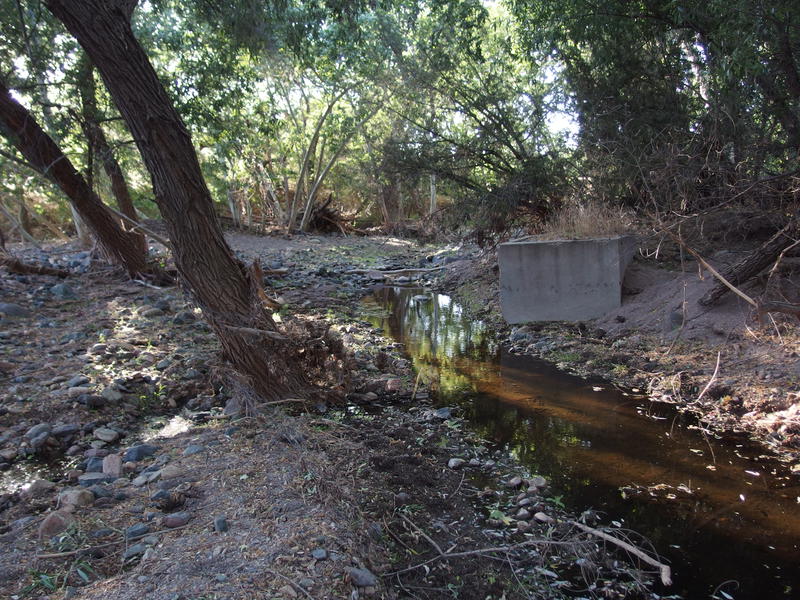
220 523
137 531
37 430
543 517
455 463
39 488
39 441
362 577
134 550
90 479
112 465
193 449
8 454
93 465
522 515
77 381
146 478
105 434
62 291
13 311
66 430
111 394
171 471
538 481
178 519
75 497
137 453
55 523
514 482
319 554
152 312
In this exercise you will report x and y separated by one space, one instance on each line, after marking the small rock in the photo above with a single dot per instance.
220 524
221 577
146 478
137 531
538 481
13 311
62 291
319 554
100 491
98 349
137 453
401 499
514 482
90 479
362 577
112 465
66 430
37 430
543 517
135 550
39 488
75 497
455 463
523 526
193 449
178 519
522 515
171 471
152 312
105 434
287 591
93 465
55 523
77 381
111 394
443 413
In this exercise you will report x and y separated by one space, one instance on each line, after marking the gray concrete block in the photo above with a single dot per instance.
562 280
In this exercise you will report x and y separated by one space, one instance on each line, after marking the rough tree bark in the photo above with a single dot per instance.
22 130
224 289
99 143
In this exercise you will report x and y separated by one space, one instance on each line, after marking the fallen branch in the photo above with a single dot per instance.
763 308
106 545
664 570
395 272
711 270
17 266
712 380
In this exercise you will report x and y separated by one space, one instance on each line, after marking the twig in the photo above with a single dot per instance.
664 570
712 270
712 380
297 585
106 545
395 272
423 534
460 483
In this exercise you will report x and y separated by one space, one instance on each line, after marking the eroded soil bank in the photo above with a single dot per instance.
113 405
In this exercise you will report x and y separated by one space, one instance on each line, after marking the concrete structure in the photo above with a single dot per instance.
562 280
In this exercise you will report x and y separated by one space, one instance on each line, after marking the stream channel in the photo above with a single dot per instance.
723 514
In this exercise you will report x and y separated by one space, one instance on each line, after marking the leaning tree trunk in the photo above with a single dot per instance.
42 152
99 143
224 289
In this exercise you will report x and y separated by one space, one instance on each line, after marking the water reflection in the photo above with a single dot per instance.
717 509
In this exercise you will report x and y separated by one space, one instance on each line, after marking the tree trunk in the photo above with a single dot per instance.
753 263
99 142
224 289
42 152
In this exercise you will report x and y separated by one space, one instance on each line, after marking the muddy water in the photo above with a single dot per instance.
726 517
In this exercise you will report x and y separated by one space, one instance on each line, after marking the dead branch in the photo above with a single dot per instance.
15 265
136 226
395 272
711 270
664 570
763 308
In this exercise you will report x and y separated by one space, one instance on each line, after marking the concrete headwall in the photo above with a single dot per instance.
562 280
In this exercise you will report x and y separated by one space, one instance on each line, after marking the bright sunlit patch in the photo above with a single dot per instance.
175 426
597 388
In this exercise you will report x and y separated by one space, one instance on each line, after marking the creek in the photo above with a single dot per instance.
724 514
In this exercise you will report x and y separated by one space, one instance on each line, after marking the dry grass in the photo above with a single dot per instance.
590 219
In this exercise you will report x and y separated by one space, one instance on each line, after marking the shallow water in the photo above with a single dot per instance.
721 512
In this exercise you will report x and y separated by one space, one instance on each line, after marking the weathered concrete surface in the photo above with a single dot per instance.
562 280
